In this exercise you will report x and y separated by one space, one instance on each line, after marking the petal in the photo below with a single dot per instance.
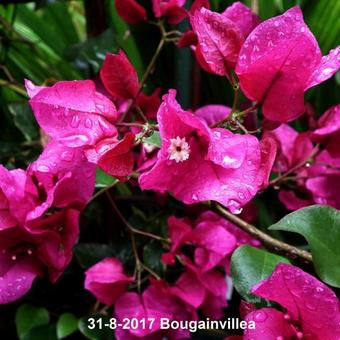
214 242
329 122
179 232
325 189
212 114
293 202
76 175
16 278
131 11
32 89
270 324
119 76
328 66
189 289
106 280
219 40
278 57
306 299
242 16
115 158
74 113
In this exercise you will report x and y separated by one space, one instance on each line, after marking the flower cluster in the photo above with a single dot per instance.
207 155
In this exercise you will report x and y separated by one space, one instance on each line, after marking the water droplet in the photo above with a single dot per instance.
260 316
75 121
194 197
88 123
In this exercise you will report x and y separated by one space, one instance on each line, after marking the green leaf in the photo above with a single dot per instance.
320 225
154 139
100 331
29 317
66 325
24 120
103 179
89 254
152 253
251 265
47 332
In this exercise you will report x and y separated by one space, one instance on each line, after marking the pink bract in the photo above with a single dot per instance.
73 113
119 76
131 11
219 41
242 16
221 166
106 280
312 308
280 56
172 10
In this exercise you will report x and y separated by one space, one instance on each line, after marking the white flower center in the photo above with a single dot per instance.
179 149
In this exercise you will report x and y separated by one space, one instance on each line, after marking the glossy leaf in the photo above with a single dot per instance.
29 317
66 325
251 265
320 225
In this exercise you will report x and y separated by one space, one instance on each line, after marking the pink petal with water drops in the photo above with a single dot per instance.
230 177
16 278
270 324
74 113
242 16
307 300
278 57
328 66
75 174
13 188
219 41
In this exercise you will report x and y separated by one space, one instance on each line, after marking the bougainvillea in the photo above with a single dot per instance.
187 253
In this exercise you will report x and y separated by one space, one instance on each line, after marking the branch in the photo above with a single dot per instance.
270 242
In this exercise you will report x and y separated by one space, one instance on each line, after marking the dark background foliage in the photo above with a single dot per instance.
49 40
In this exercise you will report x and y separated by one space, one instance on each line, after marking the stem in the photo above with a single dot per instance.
102 191
230 115
278 246
296 167
133 231
151 65
13 87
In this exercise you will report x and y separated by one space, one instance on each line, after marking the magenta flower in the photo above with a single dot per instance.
280 56
221 35
155 302
74 114
39 216
172 10
293 148
106 280
131 11
328 130
197 163
324 179
120 79
212 242
312 309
